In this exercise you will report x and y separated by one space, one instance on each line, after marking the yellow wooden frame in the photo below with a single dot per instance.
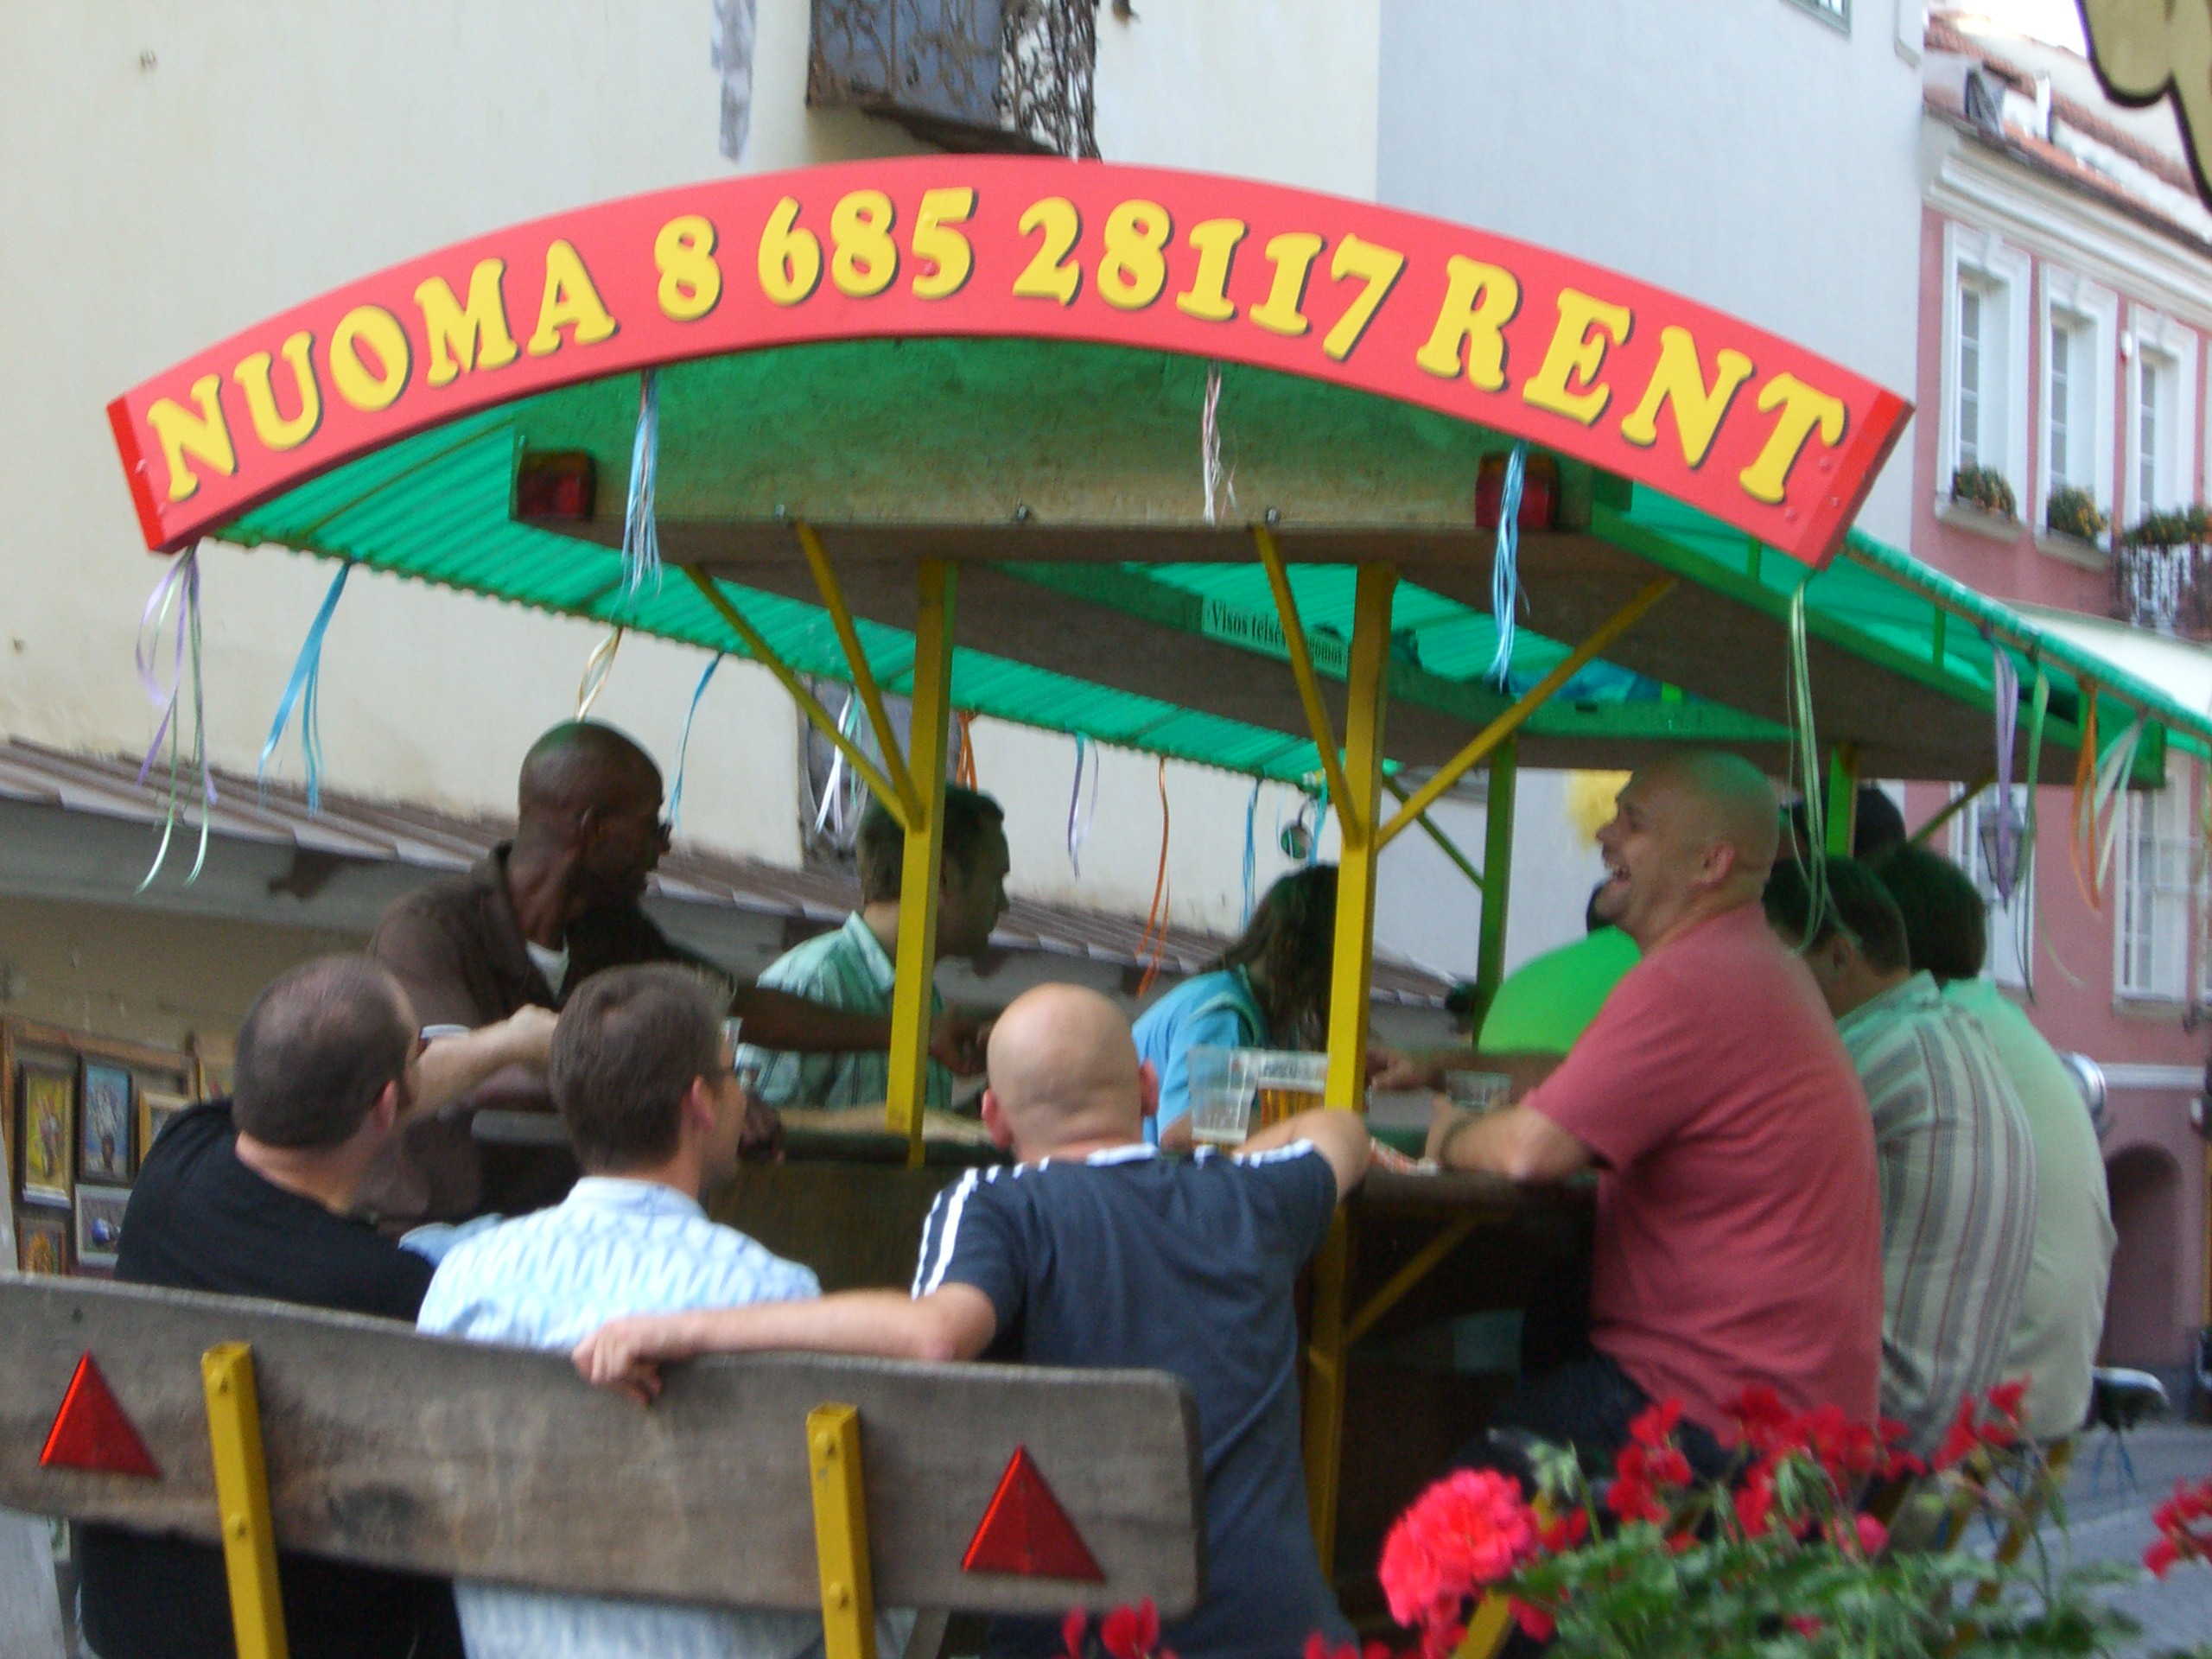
242 1502
913 987
833 1458
1534 698
841 618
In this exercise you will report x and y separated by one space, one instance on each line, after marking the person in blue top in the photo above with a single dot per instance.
1270 989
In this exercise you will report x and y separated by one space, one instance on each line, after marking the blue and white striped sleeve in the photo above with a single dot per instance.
971 1238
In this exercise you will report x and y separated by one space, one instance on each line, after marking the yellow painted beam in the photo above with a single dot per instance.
911 992
841 618
809 704
833 1457
1958 804
1512 719
1418 1267
1358 799
1449 847
1301 669
242 1502
1843 799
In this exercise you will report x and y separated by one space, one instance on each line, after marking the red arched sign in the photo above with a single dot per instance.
1696 404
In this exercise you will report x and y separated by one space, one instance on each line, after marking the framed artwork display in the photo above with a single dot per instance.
104 1152
43 1240
47 1107
155 1107
99 1223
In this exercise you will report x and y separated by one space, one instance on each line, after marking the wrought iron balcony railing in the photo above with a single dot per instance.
968 74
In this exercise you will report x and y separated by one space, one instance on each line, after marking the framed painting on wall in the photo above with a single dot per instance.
47 1107
43 1242
103 1153
99 1223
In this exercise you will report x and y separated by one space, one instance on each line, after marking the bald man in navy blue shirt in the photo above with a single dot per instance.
1095 1250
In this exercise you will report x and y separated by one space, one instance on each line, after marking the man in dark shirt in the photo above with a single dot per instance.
1096 1251
526 926
251 1197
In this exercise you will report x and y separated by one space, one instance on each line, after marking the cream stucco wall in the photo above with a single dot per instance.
171 172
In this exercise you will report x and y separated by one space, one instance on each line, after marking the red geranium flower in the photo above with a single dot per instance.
1131 1632
1655 1424
1533 1619
1469 1529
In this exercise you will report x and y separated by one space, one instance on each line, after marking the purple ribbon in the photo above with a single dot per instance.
2006 690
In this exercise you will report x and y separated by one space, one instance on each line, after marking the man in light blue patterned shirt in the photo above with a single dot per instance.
644 1082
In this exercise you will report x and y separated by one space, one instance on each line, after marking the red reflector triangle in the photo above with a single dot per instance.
1025 1530
90 1431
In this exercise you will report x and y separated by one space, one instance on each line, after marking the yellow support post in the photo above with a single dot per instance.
242 1502
912 993
841 618
1512 719
1359 803
833 1456
1301 669
1843 799
809 704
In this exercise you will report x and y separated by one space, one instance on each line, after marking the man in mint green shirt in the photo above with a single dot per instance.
852 968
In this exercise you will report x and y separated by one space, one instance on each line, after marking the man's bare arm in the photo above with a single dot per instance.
774 1019
1519 1143
955 1322
452 1066
1340 1137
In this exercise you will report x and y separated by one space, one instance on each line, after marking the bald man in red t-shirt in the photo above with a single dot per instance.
1739 1237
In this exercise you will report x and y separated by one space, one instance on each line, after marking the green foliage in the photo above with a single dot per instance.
2189 526
2072 511
1987 488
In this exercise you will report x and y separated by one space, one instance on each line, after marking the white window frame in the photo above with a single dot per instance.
2174 346
1983 258
2090 313
2010 925
2156 913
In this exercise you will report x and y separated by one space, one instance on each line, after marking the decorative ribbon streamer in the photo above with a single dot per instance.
1150 949
177 591
1505 567
2005 698
836 814
683 747
1805 758
2030 923
1212 480
1078 834
964 771
302 691
640 533
1251 852
597 668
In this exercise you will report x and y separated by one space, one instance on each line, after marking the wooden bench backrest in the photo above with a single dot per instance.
447 1458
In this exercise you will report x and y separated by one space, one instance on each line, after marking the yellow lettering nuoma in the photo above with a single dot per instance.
570 302
1478 303
1803 407
1699 408
270 424
466 338
205 437
1566 383
366 388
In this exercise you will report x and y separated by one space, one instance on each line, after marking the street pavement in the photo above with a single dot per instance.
2111 1522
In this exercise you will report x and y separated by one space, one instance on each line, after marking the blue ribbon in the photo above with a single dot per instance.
640 533
683 747
302 691
1251 852
1505 567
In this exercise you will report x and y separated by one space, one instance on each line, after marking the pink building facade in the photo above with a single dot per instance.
2065 341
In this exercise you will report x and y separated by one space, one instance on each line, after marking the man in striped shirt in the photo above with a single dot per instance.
1956 1159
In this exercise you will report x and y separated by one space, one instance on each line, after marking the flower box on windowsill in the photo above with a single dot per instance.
2089 555
1999 526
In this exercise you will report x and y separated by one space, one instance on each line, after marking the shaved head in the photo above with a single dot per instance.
1063 1069
1692 835
580 764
